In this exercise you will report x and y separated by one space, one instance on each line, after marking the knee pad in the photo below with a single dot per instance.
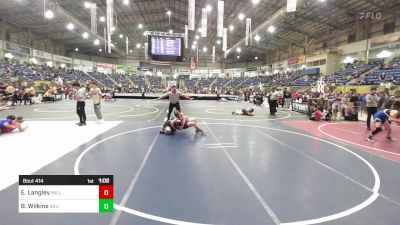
377 130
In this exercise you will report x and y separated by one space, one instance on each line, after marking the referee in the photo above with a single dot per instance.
79 96
173 97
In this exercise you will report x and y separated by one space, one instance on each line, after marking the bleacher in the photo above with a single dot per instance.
380 76
138 81
351 71
235 82
390 72
102 78
155 82
190 84
205 83
220 82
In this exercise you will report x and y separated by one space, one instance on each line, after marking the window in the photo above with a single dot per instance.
316 63
388 28
351 38
322 62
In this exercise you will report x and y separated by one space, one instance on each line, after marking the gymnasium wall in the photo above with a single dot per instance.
27 37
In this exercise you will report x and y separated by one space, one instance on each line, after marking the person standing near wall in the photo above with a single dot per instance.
372 105
95 94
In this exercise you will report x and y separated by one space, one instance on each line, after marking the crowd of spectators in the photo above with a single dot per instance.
23 76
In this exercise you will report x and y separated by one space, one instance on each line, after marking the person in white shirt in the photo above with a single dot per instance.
95 94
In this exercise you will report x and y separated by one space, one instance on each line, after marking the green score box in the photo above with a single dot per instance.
106 205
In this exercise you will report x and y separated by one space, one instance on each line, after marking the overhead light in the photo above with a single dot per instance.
204 49
218 42
145 33
256 58
193 47
126 2
271 29
208 8
138 45
231 27
238 57
88 4
170 31
199 30
140 26
197 37
194 42
257 38
76 49
85 35
49 14
384 54
102 19
255 2
238 49
112 28
121 36
100 50
169 13
130 51
96 42
70 26
8 55
321 0
348 59
241 16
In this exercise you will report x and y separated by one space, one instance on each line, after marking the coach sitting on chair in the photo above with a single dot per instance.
173 97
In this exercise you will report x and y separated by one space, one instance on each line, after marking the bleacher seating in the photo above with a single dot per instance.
351 71
102 78
390 72
122 79
139 82
155 82
205 83
190 84
220 82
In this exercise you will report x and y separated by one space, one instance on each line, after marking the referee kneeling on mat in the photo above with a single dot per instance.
173 97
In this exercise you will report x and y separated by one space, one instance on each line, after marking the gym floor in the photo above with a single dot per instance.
244 171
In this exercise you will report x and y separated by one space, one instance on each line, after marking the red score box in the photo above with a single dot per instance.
106 192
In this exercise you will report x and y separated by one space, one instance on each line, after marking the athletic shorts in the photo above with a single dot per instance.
6 130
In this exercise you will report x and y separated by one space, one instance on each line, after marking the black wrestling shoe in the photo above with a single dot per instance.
82 124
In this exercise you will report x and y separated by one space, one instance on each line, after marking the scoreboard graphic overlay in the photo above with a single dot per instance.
66 194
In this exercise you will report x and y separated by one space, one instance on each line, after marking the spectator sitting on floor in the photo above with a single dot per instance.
351 115
327 115
32 92
10 90
26 97
316 115
47 96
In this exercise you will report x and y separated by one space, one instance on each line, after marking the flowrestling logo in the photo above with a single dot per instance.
370 15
